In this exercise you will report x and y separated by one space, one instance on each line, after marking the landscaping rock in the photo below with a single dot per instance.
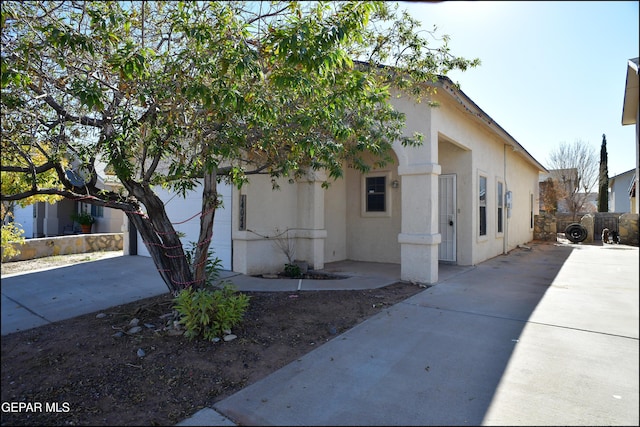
134 330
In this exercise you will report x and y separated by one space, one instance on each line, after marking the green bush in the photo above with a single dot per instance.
208 313
83 218
12 236
292 270
212 266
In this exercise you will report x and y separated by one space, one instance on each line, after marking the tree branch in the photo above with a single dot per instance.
268 15
87 121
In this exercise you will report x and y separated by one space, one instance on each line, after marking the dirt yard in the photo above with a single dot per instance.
97 373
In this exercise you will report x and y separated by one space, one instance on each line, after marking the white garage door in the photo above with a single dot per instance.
180 210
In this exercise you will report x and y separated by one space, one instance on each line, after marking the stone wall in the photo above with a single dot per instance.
587 222
65 245
628 229
544 227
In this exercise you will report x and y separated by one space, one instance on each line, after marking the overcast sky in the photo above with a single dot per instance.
551 71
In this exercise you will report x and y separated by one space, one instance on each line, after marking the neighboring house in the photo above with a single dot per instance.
631 116
619 187
47 220
567 179
469 193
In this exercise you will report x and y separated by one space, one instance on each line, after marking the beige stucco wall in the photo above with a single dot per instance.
269 213
522 180
348 234
335 211
468 149
373 238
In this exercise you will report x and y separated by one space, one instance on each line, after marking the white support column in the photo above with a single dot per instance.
311 233
126 238
419 237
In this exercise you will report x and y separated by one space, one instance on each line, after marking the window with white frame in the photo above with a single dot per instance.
500 199
376 197
482 204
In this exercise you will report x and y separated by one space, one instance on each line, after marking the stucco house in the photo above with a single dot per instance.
469 193
47 220
619 188
631 116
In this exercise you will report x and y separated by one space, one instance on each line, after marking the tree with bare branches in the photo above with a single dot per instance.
574 170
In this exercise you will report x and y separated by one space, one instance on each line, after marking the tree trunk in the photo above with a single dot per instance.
209 205
161 239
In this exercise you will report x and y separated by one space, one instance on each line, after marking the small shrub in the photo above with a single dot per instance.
208 313
12 236
212 267
83 218
292 270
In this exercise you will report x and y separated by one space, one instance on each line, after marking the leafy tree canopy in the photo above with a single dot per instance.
181 93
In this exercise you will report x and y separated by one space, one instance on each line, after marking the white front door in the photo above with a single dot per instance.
447 217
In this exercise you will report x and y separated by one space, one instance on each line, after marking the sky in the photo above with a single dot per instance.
551 72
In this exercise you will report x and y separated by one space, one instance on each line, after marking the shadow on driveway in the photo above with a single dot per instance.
533 337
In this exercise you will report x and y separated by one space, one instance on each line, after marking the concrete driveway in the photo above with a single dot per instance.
541 337
35 299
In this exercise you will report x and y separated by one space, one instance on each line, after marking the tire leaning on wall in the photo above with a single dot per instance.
575 232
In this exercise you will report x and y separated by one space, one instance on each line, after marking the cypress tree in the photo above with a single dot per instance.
603 192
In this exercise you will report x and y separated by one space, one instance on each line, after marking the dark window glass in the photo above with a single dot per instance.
531 211
500 201
97 211
482 190
375 187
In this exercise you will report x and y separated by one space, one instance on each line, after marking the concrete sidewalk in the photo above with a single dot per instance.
541 337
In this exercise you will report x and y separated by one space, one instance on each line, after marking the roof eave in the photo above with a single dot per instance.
457 94
630 104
